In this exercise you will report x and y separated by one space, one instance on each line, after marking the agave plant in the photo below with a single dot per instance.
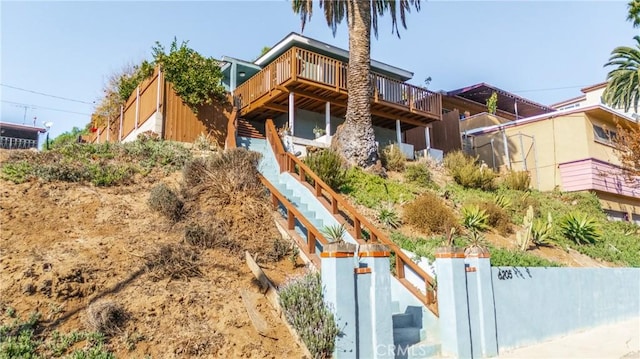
503 202
541 231
474 218
389 217
334 233
580 228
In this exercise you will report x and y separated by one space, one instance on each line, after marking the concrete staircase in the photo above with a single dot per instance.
415 329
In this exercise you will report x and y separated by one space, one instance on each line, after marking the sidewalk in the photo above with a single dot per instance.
619 340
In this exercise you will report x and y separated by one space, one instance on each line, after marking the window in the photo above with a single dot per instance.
604 135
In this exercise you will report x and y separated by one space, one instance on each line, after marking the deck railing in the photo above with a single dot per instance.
332 74
232 129
338 206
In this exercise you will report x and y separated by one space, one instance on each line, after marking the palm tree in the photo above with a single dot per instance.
623 87
355 139
634 12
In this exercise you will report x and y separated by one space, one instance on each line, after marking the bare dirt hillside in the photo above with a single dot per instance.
66 246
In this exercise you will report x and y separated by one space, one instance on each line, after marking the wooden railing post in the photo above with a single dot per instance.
357 228
399 266
311 242
291 219
318 189
294 61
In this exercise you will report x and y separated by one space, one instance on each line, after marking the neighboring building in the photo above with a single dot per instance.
592 95
570 149
302 83
466 108
14 136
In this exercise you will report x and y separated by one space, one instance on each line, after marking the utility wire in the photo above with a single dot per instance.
46 94
43 108
551 89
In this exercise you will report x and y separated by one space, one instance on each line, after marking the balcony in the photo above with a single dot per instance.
316 79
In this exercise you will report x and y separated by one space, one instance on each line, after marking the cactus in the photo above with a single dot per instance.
523 236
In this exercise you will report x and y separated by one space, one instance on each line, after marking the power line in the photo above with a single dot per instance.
552 89
43 108
46 94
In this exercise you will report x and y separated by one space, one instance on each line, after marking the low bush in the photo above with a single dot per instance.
497 217
430 215
419 174
107 318
389 217
392 158
370 190
467 173
173 261
517 180
508 258
328 165
214 234
423 247
304 308
579 228
164 200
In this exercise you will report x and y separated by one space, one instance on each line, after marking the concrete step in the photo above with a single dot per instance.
421 350
402 320
408 335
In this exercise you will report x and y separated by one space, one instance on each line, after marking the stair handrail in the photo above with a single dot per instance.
288 162
232 127
293 213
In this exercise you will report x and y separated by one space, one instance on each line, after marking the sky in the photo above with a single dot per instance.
542 50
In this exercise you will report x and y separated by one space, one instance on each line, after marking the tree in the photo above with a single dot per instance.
634 12
355 139
67 138
623 88
627 143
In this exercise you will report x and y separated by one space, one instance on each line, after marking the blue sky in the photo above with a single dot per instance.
542 50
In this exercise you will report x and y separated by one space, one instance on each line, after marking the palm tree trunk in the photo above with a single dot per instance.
355 139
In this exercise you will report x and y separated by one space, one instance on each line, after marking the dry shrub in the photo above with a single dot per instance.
173 261
392 158
517 180
213 234
164 200
430 214
497 217
107 318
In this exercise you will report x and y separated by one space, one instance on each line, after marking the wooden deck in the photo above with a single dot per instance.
316 79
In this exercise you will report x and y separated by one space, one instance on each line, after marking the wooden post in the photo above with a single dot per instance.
318 189
356 227
311 242
121 119
399 267
291 219
334 205
137 107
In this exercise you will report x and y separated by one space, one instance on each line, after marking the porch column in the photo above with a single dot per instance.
291 112
398 132
427 137
233 80
327 119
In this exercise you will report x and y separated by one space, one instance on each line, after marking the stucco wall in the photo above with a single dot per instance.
534 304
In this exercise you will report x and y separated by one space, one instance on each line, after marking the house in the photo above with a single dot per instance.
569 149
15 136
466 108
301 83
592 95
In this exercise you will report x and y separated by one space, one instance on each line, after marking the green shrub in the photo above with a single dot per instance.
392 158
164 200
419 174
423 247
541 231
17 172
327 164
517 180
497 217
467 173
507 258
430 214
474 218
370 190
579 228
304 308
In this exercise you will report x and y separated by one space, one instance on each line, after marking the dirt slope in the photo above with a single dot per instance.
64 246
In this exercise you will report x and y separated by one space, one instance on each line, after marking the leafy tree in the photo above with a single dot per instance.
634 12
68 137
623 88
355 139
195 78
627 142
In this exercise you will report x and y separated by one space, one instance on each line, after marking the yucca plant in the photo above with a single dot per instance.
334 233
503 202
541 231
389 217
580 228
474 218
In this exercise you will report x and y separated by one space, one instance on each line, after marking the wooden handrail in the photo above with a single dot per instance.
288 162
293 213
